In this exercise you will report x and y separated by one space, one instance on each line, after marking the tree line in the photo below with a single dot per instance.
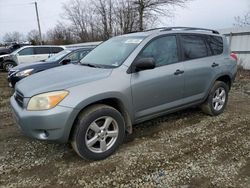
96 20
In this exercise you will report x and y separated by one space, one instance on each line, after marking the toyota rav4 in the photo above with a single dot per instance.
124 81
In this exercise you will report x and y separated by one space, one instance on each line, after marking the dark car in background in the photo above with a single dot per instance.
71 55
11 48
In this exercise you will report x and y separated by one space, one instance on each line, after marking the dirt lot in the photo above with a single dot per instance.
184 149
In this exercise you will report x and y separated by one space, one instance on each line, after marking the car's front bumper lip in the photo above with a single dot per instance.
53 125
13 80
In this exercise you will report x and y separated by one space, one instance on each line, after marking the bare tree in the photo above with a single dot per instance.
13 37
243 21
153 7
80 15
33 37
126 17
104 10
60 34
101 19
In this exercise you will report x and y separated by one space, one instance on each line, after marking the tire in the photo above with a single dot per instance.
217 99
90 127
8 65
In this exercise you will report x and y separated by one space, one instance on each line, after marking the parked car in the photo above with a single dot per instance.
124 81
5 51
71 55
28 54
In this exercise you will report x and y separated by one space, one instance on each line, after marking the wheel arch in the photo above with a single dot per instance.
225 78
113 102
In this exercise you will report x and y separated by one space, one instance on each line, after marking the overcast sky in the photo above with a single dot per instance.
19 15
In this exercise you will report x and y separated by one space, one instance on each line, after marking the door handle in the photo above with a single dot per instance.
178 71
214 65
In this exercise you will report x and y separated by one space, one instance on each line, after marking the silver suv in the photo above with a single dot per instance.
124 81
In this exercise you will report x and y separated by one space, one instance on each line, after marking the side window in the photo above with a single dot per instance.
55 50
82 54
216 44
163 50
73 56
26 51
77 56
42 50
193 46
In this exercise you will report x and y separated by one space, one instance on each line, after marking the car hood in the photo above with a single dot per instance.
60 78
34 65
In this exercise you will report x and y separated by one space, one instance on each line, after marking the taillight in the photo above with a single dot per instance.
234 56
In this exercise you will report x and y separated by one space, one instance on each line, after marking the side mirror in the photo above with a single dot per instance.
144 64
65 61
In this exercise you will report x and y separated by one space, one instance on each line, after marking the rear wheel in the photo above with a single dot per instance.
99 131
217 99
8 65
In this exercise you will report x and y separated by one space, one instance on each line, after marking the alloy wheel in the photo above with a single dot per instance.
219 99
101 134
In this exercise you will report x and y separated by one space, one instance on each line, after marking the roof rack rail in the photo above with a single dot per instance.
190 29
158 28
183 28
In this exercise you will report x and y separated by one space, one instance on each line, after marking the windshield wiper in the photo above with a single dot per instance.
89 65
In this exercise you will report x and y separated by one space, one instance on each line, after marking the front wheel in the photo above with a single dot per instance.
217 99
98 132
8 65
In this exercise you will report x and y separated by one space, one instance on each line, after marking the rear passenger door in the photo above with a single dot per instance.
198 64
158 89
41 53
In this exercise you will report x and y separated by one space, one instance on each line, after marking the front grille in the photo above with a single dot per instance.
19 98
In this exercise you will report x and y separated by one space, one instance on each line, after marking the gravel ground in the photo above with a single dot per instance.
185 149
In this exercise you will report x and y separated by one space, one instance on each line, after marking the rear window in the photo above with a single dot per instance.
55 50
42 50
216 44
193 47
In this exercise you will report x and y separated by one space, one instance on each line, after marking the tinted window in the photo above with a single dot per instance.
55 50
42 50
193 46
216 44
26 51
163 50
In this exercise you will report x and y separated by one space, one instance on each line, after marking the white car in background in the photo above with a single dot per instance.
28 54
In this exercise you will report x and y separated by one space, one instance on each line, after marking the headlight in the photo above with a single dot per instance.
46 101
26 72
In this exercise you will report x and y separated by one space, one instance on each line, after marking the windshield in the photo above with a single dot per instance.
58 56
113 52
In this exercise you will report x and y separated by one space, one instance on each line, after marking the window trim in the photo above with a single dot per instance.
130 69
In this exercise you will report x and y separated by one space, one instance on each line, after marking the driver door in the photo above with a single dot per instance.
161 88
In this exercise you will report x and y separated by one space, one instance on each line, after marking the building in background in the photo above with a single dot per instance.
239 42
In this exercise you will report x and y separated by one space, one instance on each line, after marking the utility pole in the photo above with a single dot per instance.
38 23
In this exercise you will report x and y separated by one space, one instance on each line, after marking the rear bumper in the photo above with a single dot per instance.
52 125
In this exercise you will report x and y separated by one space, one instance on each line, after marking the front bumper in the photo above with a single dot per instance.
53 125
13 80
